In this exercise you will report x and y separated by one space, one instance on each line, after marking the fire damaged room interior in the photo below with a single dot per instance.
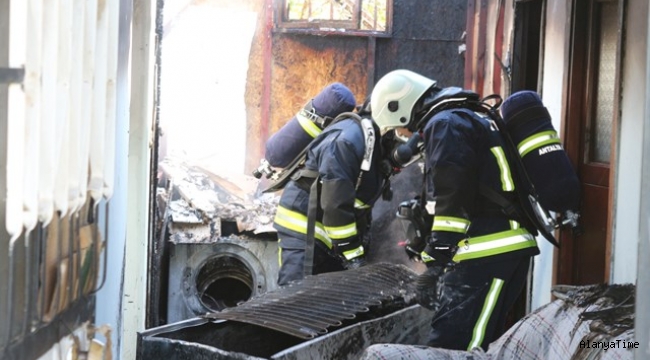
324 179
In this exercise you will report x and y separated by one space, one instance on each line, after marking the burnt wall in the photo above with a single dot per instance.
292 68
426 37
303 64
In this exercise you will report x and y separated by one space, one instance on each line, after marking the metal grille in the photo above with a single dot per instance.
309 308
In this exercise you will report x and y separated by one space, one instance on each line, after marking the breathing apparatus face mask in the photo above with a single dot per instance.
401 151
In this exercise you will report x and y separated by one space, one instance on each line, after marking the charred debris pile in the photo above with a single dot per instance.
193 196
333 315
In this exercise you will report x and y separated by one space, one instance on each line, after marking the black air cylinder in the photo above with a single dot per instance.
284 145
549 168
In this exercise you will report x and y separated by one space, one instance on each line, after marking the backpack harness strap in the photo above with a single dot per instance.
310 113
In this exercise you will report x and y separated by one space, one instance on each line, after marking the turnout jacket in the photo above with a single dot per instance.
344 208
464 152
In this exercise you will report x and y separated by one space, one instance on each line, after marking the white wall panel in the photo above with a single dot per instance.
16 120
553 83
59 194
627 186
32 88
47 147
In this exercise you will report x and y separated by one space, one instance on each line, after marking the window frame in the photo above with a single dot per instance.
328 27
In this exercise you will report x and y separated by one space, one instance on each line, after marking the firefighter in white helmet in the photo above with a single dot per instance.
477 257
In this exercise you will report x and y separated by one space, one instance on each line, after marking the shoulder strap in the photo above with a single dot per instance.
508 207
368 136
310 241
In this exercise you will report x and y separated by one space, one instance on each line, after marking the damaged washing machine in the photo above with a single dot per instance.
221 243
208 277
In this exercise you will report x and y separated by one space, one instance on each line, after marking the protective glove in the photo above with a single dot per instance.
428 286
416 225
438 255
350 251
414 248
441 248
355 263
438 258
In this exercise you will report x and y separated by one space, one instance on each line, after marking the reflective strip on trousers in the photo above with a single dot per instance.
494 244
297 222
488 307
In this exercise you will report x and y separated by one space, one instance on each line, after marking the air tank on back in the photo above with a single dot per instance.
284 145
547 163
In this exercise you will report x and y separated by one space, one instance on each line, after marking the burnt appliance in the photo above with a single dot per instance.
219 244
208 277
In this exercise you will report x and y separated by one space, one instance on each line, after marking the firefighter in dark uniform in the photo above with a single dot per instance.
345 194
476 257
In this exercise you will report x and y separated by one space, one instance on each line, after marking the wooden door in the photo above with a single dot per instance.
590 127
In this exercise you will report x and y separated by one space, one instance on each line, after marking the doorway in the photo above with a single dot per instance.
590 127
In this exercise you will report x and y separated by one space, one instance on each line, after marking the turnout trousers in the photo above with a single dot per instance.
473 302
292 259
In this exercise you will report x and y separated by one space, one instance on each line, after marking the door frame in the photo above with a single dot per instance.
578 99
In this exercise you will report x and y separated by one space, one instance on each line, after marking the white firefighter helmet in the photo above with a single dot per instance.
394 97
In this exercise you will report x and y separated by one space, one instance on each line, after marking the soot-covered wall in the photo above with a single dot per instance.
426 37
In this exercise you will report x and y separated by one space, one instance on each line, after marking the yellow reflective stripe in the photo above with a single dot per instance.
488 307
494 244
298 222
506 177
291 220
351 254
514 225
449 223
341 232
279 255
310 128
358 204
426 257
537 140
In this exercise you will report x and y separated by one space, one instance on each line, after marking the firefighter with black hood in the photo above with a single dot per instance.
477 257
324 213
